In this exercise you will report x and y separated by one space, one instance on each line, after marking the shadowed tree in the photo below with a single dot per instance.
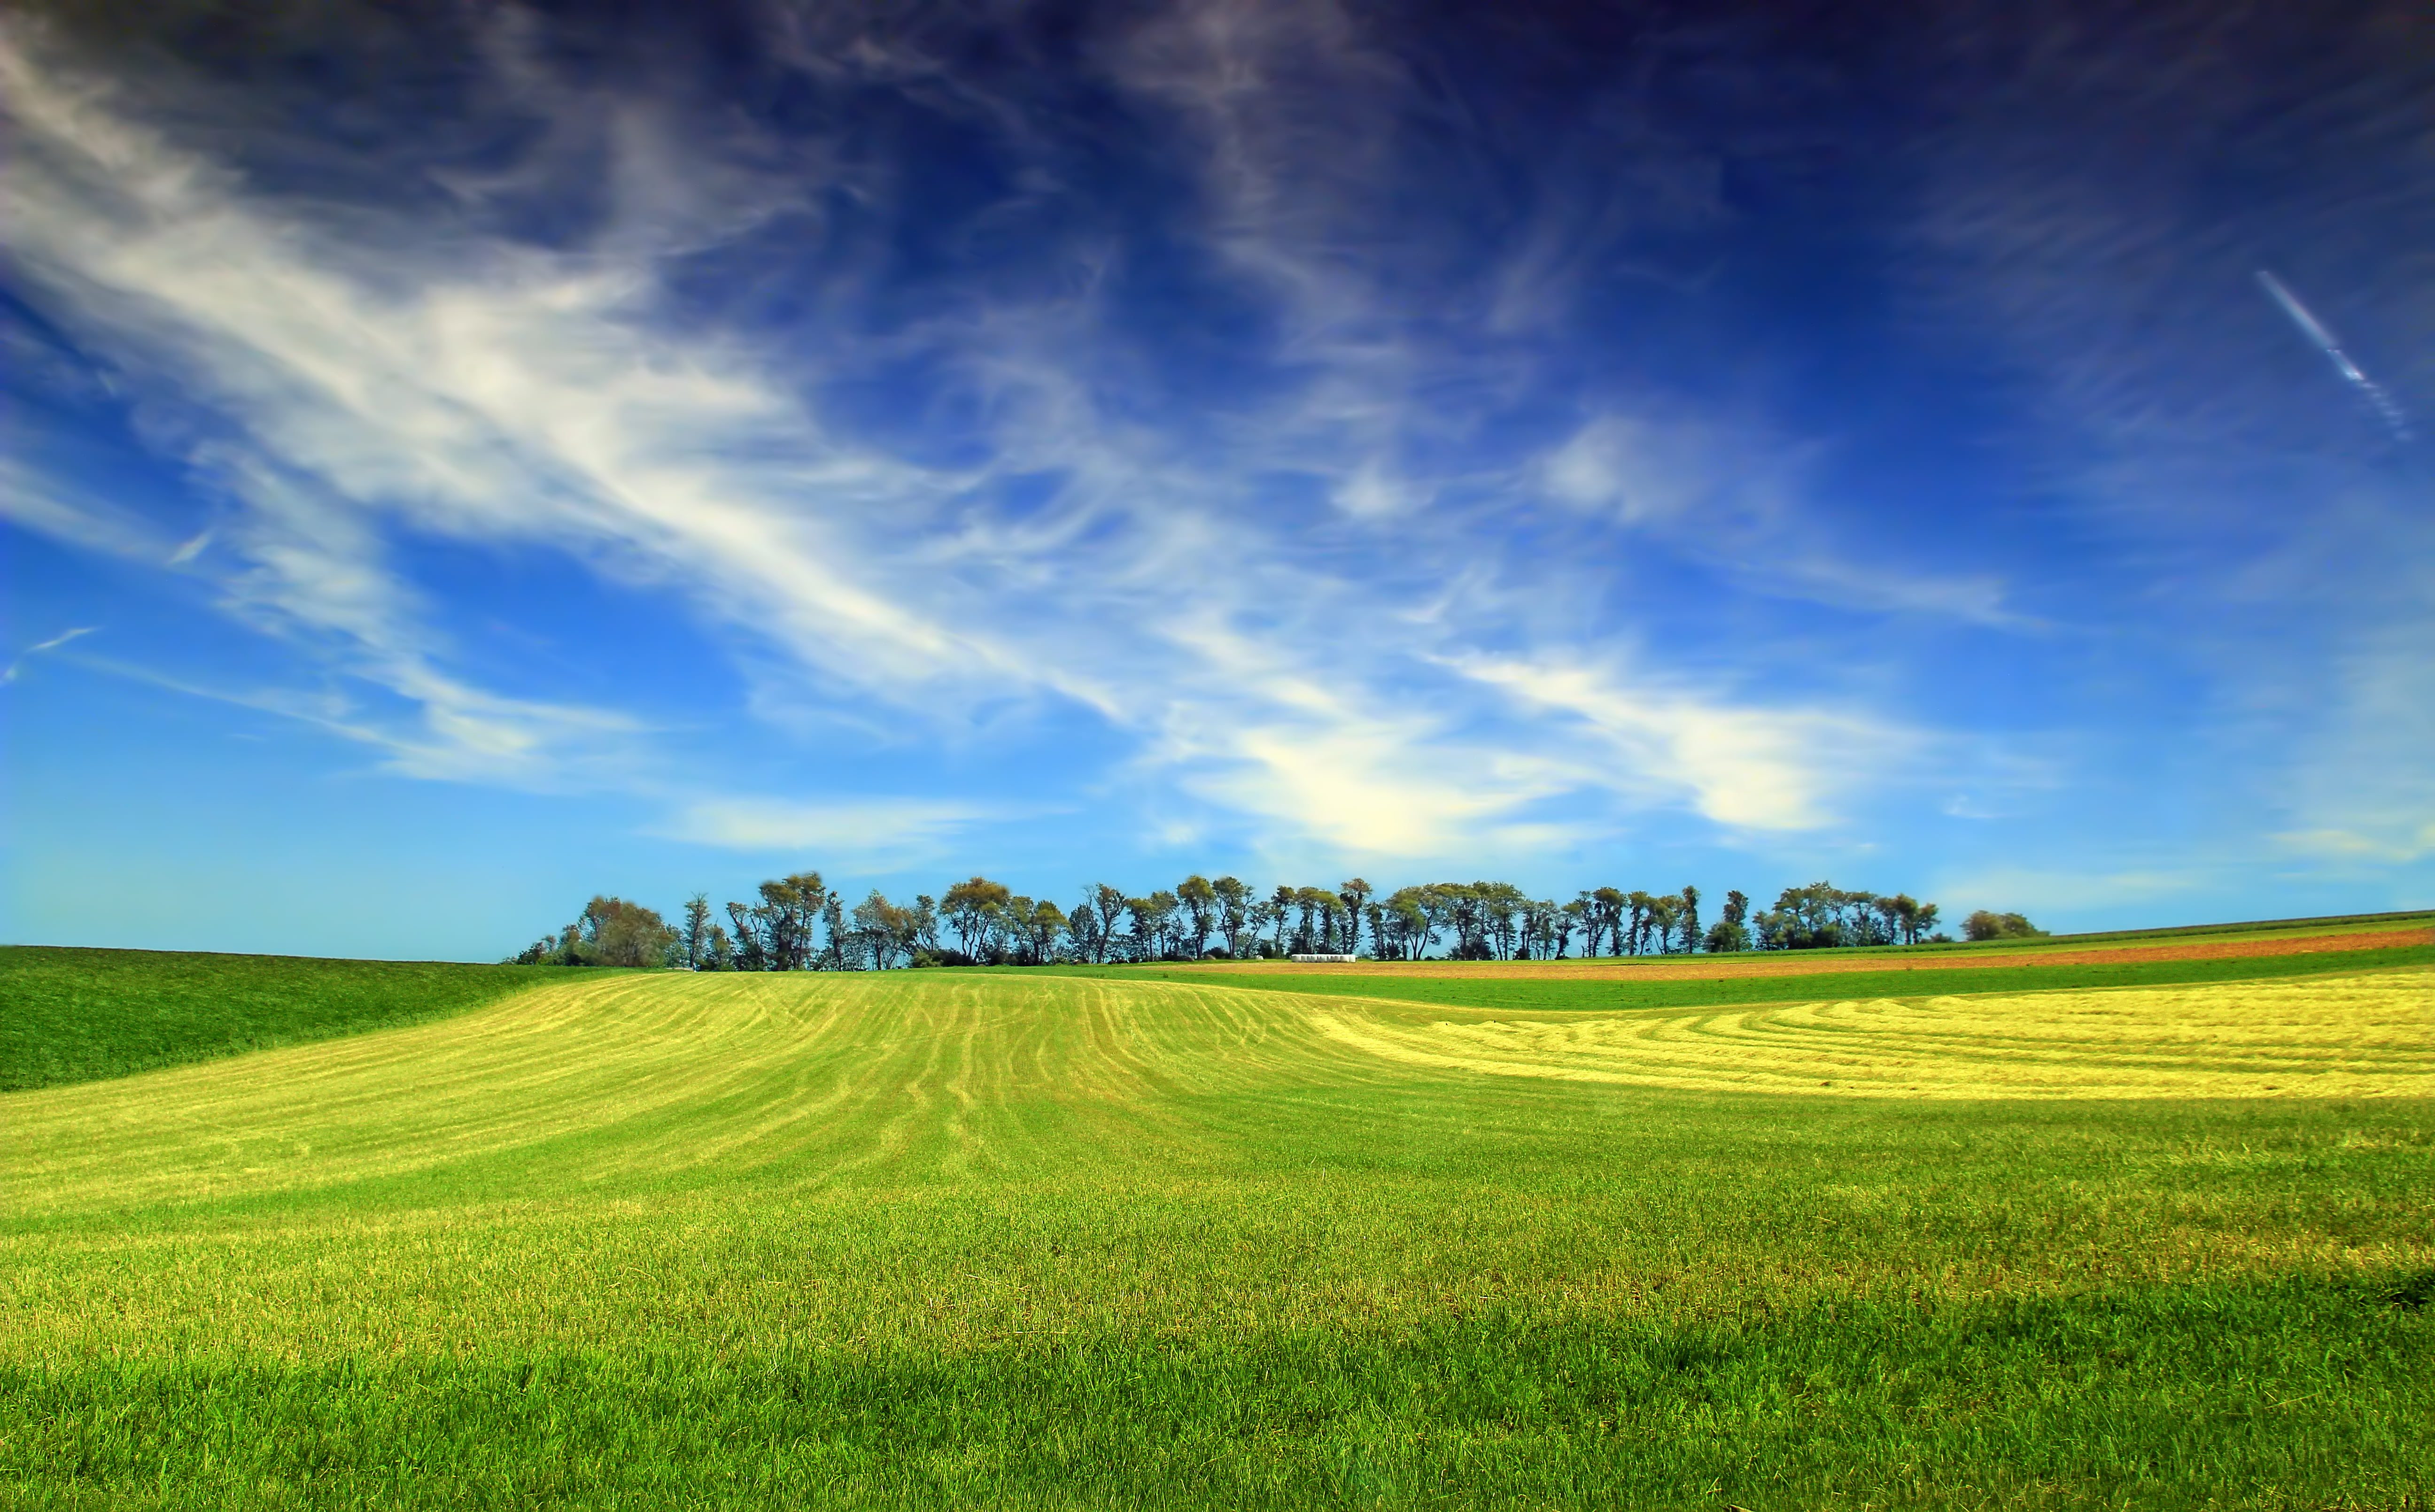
1688 927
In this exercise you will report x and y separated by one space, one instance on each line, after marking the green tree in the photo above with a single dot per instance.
1986 924
1199 904
1233 911
1658 915
1110 905
1086 939
974 910
1152 918
1355 894
612 931
751 952
696 932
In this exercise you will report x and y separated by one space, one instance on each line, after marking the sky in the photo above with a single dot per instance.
464 458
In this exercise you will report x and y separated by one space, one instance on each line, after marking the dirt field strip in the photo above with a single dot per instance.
1804 963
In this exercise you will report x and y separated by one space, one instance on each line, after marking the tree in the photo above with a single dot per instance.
1727 935
696 934
1087 940
1732 932
1988 925
752 953
612 931
1233 911
885 932
1804 919
833 914
787 920
1355 894
1611 906
1411 917
1199 902
1577 915
974 909
1042 923
1690 924
1111 906
1151 918
1658 915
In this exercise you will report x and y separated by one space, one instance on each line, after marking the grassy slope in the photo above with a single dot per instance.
69 1015
1610 994
2322 924
934 1238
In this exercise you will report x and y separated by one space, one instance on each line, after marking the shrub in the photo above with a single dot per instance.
1985 925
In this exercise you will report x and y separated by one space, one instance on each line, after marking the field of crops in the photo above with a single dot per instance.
1025 1239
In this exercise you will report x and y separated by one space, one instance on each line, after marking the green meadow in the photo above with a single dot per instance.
76 1015
1022 1239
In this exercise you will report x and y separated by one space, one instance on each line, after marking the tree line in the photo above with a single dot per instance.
799 923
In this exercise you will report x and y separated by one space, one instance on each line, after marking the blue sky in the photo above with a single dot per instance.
462 461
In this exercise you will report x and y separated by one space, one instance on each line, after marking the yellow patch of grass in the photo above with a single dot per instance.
2355 1036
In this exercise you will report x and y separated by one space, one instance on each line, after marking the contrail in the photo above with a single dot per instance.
52 645
2315 330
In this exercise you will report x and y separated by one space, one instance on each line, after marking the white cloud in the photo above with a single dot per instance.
1739 501
870 831
1750 767
363 381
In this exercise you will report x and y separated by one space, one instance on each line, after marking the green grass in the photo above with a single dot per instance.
69 1015
1609 994
1022 1240
2404 919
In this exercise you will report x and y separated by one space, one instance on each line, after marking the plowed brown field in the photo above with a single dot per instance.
1804 963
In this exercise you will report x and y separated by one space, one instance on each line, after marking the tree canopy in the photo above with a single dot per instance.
800 923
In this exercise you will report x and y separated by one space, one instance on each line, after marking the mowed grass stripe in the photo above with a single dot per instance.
660 1071
1008 1239
832 1073
1487 989
2340 1037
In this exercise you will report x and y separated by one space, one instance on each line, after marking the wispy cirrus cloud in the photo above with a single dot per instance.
1302 610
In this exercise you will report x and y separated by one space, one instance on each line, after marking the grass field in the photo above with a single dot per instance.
70 1015
1019 1239
1598 988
